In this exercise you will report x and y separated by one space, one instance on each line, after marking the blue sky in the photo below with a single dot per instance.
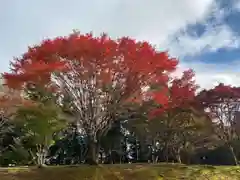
203 34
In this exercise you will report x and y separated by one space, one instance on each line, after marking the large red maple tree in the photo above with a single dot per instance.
98 74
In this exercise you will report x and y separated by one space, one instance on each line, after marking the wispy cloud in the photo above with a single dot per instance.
216 35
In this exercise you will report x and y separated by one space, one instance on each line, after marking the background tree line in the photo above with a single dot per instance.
84 99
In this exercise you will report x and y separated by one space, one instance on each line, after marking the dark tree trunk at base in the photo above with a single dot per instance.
234 155
178 155
92 154
179 159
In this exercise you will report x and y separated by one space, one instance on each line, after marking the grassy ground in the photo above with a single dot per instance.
123 172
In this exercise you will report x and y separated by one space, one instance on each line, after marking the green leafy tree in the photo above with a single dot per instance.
40 123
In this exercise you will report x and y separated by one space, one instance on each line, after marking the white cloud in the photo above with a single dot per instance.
157 21
152 20
236 4
217 35
209 75
211 41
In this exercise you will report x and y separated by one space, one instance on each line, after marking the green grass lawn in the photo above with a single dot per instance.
122 172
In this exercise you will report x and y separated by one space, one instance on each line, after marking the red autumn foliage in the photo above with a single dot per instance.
221 102
124 62
31 72
10 100
181 94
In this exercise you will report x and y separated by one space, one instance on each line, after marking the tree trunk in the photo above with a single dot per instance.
156 159
92 153
167 152
41 156
234 155
178 156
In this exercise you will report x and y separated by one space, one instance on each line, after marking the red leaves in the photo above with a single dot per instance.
180 94
183 90
221 102
130 64
10 101
161 98
219 94
38 72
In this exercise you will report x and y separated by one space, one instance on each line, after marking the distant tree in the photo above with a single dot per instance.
222 104
172 126
176 117
10 101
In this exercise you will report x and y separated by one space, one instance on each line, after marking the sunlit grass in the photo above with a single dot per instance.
122 172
